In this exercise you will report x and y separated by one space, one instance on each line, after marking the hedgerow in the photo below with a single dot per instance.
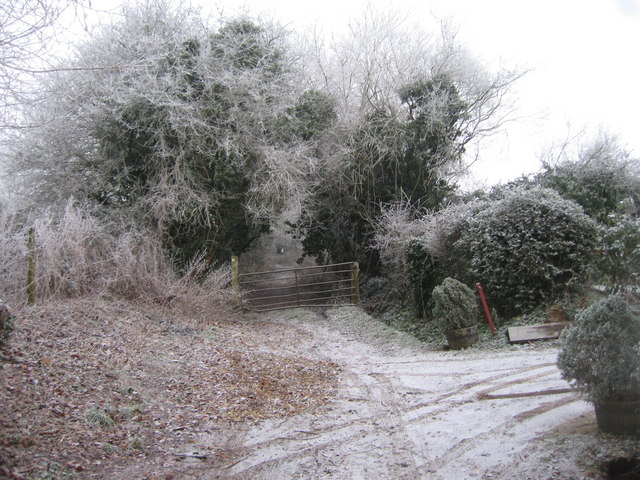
527 246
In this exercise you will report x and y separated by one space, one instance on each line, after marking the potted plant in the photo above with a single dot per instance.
454 304
600 357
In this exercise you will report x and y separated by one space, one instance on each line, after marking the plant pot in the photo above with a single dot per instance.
618 417
462 337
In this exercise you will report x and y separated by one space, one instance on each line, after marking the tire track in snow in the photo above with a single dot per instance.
386 417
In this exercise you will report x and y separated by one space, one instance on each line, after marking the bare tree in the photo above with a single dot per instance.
384 51
26 31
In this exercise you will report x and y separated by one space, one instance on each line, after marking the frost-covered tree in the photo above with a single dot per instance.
386 160
27 28
603 177
383 53
410 104
166 122
598 174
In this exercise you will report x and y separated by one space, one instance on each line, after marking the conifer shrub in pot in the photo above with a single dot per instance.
600 357
455 306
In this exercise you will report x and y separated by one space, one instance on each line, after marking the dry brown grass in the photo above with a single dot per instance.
76 254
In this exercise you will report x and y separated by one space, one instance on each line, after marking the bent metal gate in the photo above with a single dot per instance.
318 286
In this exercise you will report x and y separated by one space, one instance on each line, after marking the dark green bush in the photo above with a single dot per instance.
424 275
529 247
618 259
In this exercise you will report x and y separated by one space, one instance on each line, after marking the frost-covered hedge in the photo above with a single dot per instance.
618 259
76 254
529 247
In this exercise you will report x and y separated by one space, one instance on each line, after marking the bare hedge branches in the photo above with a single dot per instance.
384 51
27 28
77 255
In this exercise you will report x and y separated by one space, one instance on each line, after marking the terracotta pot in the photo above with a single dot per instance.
462 338
618 417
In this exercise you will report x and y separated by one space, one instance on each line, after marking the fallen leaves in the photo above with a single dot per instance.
94 385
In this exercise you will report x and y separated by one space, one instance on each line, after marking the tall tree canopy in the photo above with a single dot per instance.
409 106
205 135
169 123
387 160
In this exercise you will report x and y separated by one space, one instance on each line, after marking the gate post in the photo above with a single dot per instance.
355 284
295 273
235 277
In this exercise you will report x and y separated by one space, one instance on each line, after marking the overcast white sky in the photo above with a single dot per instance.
583 55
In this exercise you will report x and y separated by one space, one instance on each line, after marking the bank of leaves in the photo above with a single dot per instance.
92 386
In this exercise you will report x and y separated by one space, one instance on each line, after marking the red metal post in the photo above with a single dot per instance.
486 308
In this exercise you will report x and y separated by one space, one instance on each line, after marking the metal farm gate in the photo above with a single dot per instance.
319 286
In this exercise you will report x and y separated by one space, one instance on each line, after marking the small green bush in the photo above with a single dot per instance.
455 305
601 352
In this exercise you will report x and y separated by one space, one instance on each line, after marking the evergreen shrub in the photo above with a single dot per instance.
618 260
454 305
601 352
424 274
529 248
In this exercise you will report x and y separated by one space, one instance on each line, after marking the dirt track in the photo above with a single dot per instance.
403 412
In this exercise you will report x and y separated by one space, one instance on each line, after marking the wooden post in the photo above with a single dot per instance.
31 267
295 273
235 274
355 284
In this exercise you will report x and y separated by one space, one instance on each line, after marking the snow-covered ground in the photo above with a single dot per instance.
402 411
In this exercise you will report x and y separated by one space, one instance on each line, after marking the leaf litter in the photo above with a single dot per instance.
89 386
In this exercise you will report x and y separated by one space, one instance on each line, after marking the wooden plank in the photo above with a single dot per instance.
540 331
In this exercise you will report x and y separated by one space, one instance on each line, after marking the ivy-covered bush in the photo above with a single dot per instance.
527 248
601 352
527 245
424 274
454 305
598 177
428 247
